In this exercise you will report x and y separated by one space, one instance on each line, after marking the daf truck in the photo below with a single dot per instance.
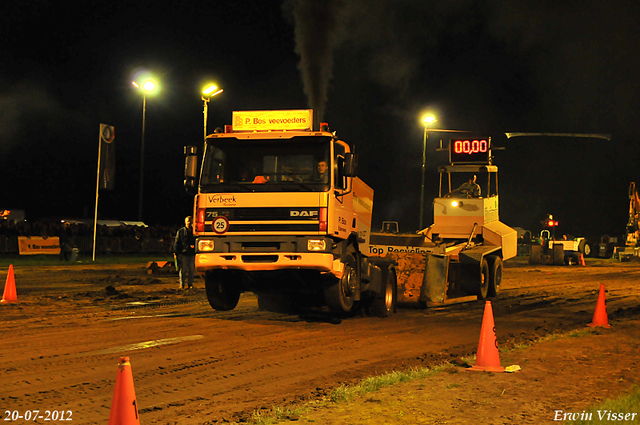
280 211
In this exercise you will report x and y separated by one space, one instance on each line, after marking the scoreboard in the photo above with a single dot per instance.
470 150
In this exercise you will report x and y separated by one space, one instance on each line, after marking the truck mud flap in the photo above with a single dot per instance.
553 256
558 254
434 284
535 256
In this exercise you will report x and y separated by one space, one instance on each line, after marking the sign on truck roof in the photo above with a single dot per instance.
295 119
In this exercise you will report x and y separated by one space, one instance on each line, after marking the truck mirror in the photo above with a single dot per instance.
190 167
350 165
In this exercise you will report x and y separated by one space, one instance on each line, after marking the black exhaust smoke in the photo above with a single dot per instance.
317 33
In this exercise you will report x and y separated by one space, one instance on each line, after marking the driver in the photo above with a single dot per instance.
323 172
471 189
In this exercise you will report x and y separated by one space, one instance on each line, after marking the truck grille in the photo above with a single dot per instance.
264 214
259 258
293 227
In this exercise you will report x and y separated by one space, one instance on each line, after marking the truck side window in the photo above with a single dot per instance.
340 183
339 152
214 170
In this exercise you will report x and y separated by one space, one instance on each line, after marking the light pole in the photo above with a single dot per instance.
147 87
429 119
207 93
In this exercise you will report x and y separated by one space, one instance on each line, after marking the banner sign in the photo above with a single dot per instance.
35 245
295 119
107 156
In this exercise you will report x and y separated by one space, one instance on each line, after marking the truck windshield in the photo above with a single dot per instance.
266 165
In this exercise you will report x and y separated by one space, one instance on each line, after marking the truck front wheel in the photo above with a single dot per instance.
222 294
339 293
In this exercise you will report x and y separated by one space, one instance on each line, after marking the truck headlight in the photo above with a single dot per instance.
205 245
316 245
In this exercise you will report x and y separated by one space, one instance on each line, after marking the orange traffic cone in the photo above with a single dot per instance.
582 263
124 407
488 358
10 288
600 315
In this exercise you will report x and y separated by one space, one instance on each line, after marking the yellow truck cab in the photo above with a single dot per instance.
279 211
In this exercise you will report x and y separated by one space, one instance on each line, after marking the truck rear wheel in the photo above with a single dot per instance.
495 275
222 294
385 303
339 293
483 287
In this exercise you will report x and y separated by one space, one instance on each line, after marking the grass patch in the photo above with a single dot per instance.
277 413
549 338
374 383
83 260
344 393
626 405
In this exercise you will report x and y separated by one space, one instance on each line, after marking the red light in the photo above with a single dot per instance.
323 219
550 223
200 220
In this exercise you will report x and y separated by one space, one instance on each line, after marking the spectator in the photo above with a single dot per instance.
184 251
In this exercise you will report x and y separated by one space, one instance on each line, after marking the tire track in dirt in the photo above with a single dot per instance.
248 359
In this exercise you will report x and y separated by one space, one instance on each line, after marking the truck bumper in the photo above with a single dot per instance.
322 262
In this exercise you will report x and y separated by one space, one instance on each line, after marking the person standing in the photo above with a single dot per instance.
184 251
65 246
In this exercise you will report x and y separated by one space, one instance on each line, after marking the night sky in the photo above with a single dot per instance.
371 67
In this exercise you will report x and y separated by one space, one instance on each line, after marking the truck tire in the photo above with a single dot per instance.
495 275
483 284
221 292
384 304
339 293
584 248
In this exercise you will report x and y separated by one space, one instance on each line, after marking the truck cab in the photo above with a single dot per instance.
279 211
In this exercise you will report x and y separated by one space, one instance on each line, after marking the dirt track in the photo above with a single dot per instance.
191 365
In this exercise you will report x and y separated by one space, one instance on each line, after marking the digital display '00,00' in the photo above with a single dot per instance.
469 150
470 146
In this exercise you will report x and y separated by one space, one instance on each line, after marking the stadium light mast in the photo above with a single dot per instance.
207 93
147 87
428 119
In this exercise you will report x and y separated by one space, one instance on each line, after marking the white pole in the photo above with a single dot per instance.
95 217
205 111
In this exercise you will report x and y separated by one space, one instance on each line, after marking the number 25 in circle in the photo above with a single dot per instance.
220 225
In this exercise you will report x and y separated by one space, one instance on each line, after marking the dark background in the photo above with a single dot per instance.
371 68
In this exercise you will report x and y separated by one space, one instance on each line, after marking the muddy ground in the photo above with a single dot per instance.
61 342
